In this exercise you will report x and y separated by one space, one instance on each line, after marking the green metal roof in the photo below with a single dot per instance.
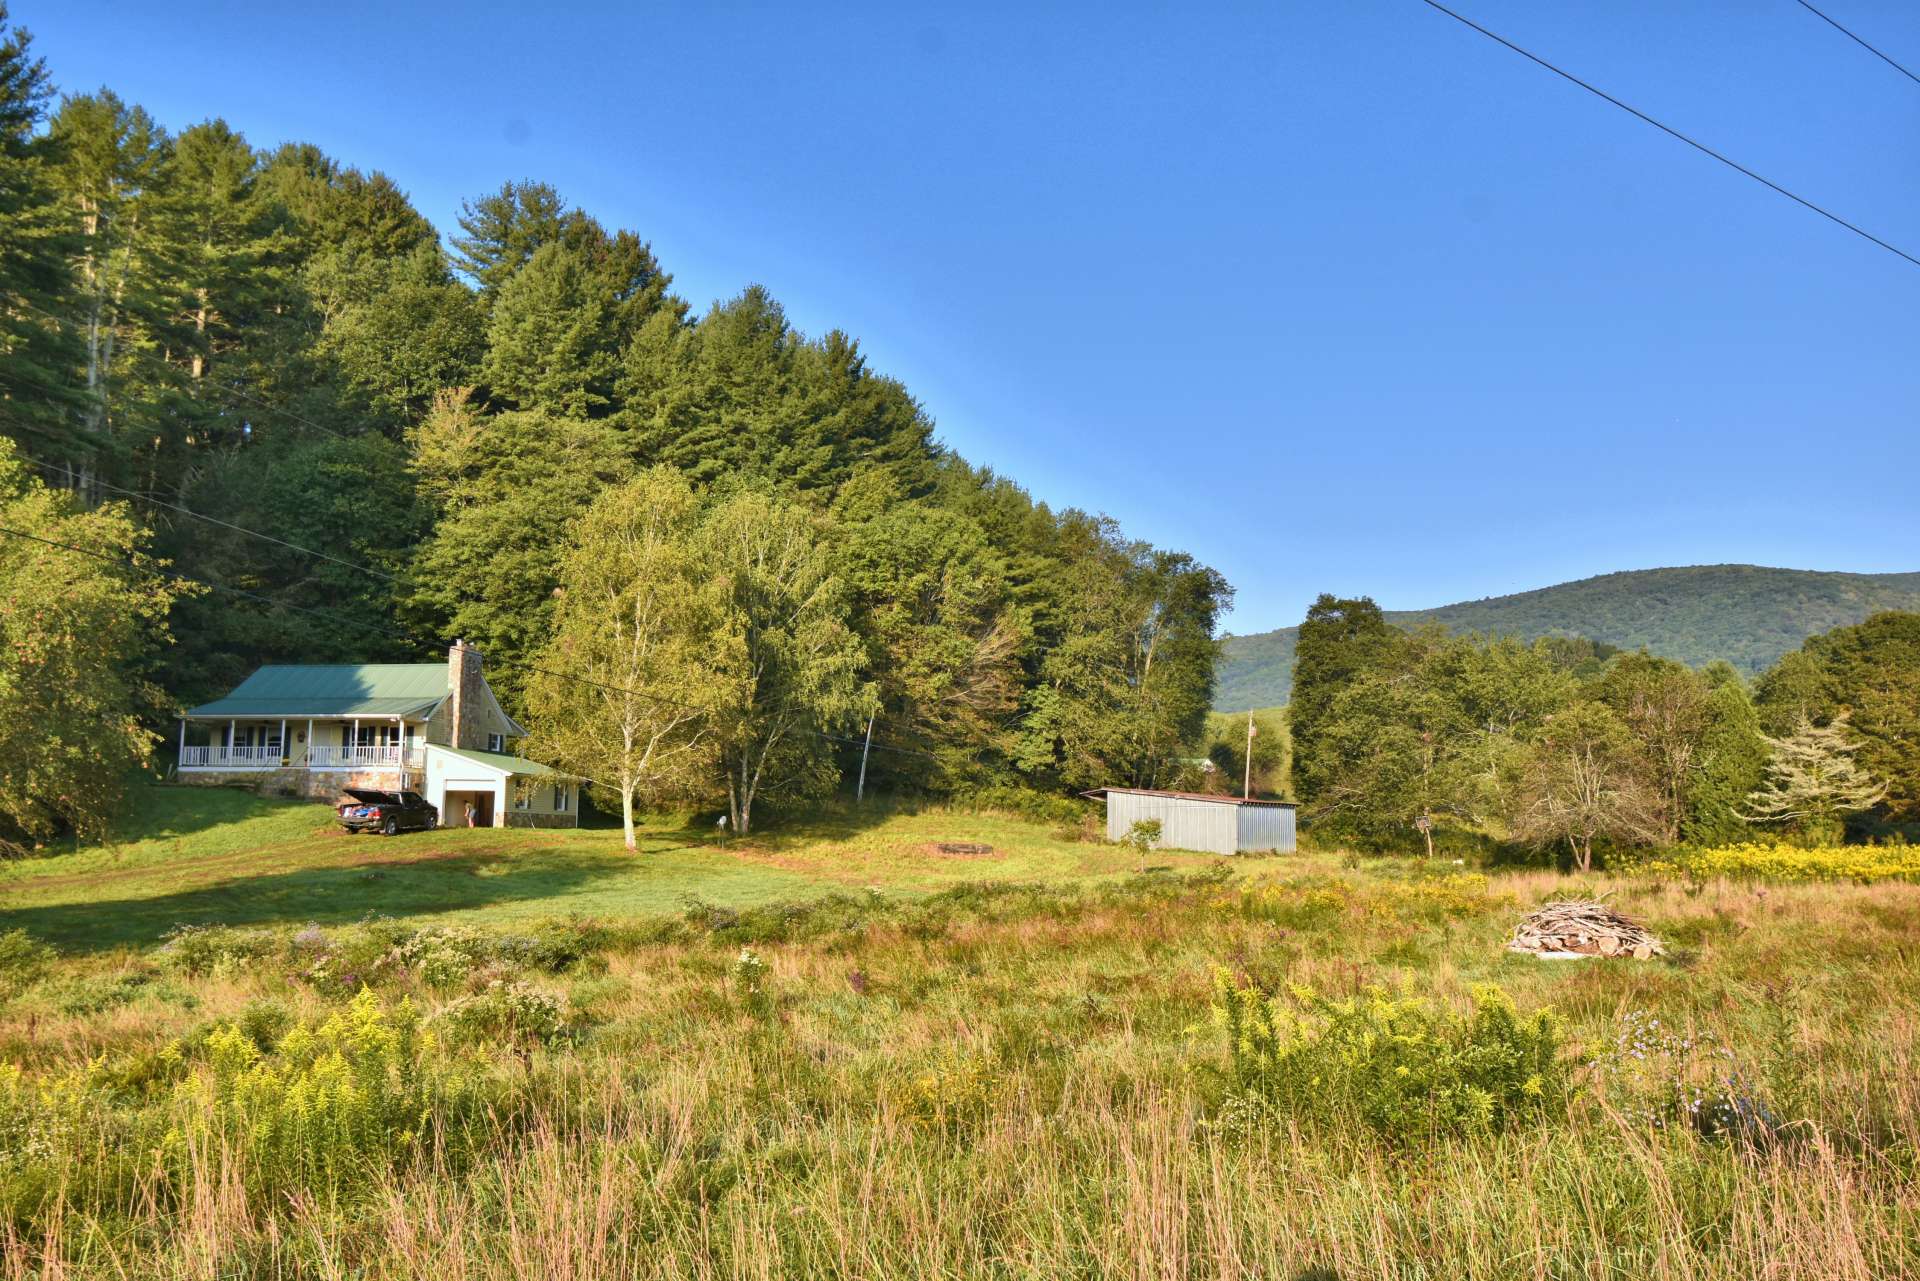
348 689
501 761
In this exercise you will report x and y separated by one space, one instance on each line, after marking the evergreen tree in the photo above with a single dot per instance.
110 158
1728 766
40 400
506 489
503 231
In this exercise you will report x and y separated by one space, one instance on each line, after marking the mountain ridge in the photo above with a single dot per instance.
1747 614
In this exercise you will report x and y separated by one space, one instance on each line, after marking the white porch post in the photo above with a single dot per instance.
183 742
309 760
230 725
355 744
283 739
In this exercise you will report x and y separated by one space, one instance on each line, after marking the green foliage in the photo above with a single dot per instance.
1339 641
1870 674
504 1013
1730 763
1813 782
77 631
1124 688
22 960
626 685
327 1110
788 662
1402 1067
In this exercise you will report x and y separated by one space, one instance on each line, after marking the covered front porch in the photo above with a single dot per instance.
309 743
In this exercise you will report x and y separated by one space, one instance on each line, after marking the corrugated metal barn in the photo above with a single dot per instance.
1195 821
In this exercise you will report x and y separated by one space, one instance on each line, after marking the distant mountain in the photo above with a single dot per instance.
1747 614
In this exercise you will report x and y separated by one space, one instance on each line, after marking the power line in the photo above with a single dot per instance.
1857 40
53 469
410 637
1735 165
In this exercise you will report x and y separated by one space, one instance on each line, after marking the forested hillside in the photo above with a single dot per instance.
1747 615
346 439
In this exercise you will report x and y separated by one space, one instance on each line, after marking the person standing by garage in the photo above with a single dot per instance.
470 813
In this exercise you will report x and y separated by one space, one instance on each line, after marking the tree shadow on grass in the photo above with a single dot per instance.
323 895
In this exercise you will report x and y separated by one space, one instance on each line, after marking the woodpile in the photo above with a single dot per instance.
1582 927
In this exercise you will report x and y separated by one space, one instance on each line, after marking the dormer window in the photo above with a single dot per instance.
496 742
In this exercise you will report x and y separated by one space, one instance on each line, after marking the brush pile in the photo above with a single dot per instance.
1581 927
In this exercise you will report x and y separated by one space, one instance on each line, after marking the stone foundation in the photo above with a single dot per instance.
517 819
313 785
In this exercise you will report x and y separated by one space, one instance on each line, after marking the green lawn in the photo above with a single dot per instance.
212 856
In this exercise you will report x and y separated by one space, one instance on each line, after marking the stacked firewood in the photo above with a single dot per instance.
1582 927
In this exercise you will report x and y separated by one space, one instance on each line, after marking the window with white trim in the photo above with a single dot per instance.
496 742
560 798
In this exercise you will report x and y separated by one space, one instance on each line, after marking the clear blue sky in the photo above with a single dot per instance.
1336 296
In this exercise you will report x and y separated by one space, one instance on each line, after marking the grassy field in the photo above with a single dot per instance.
838 1053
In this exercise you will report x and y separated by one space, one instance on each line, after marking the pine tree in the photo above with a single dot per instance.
110 159
1813 782
40 400
503 232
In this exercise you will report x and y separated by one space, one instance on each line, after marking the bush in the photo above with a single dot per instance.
213 949
22 960
329 1107
1403 1068
1758 862
505 1014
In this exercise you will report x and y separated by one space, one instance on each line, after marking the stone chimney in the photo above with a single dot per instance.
467 701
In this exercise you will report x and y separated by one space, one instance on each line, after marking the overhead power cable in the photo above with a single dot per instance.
1857 40
411 638
54 470
1734 165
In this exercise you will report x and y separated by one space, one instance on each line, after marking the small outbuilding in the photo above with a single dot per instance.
1196 821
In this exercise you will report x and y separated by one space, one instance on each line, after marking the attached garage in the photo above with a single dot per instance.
1196 821
503 790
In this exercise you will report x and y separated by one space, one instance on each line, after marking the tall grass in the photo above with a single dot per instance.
1008 1082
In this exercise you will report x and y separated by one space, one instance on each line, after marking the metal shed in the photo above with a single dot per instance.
1196 821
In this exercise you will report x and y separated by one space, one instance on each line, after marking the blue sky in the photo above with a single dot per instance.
1337 297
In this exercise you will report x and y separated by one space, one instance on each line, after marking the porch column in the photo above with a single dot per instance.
308 761
183 742
355 744
284 749
230 725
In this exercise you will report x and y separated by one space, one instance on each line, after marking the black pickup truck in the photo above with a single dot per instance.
388 813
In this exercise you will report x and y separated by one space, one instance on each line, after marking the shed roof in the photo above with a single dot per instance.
1099 793
504 762
344 689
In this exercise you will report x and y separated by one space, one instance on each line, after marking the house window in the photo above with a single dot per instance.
521 795
559 798
496 742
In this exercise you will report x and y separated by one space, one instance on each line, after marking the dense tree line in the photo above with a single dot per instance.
1565 744
189 323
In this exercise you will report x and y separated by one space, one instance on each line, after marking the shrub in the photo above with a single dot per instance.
1768 862
326 1109
213 949
1402 1067
506 1013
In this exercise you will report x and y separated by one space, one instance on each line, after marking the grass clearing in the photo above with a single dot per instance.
1002 1065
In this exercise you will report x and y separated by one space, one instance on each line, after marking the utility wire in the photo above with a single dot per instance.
1857 40
53 470
1734 165
398 634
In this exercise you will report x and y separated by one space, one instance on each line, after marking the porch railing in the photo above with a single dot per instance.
383 756
218 756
